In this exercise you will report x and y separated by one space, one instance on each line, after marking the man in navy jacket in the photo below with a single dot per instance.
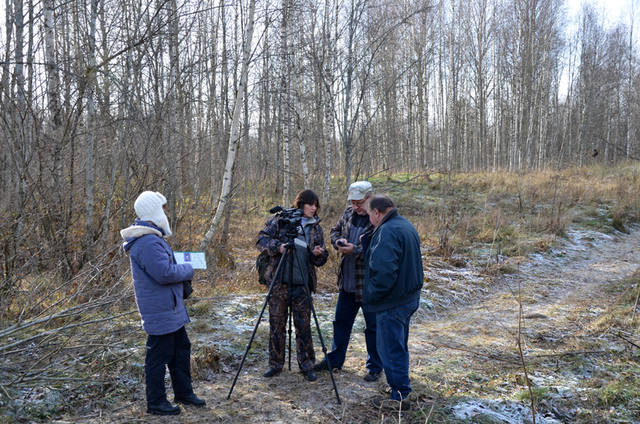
158 284
393 279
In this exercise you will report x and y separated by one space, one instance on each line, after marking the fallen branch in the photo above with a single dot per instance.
627 340
75 310
575 352
85 380
333 415
66 327
6 393
426 421
112 413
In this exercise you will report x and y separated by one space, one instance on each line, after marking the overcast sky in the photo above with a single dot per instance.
613 10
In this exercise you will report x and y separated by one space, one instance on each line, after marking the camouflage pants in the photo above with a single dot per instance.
301 306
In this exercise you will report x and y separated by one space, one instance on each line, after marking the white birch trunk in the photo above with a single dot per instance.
630 76
303 148
329 130
19 55
285 104
451 94
235 132
300 132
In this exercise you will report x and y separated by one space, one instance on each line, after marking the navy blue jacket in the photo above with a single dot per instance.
157 279
393 264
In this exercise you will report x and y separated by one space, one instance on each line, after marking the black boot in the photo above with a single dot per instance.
163 408
271 372
310 375
321 366
191 399
372 376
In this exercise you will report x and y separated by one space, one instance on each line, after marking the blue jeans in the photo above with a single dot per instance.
346 312
392 341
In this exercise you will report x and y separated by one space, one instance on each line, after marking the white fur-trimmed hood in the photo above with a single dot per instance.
134 232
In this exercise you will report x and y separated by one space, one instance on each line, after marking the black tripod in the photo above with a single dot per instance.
289 251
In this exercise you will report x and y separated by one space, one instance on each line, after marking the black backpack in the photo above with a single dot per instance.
261 265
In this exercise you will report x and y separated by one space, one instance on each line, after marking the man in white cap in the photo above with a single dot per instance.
158 283
345 237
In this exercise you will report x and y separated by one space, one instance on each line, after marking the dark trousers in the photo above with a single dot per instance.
172 350
393 345
301 312
346 312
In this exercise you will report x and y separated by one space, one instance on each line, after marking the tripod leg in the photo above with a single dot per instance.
324 348
276 277
290 302
255 329
290 309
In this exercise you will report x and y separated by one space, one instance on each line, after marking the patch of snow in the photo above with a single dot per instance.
507 412
42 398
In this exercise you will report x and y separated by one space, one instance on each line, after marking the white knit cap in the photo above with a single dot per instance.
148 207
359 190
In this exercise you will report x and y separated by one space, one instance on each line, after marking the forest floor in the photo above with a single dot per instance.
465 363
535 271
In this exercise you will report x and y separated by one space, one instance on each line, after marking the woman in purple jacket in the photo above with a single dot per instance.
158 283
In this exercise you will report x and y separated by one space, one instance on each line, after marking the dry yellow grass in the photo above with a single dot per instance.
506 212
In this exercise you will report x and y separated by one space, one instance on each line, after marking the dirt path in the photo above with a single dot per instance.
464 358
552 288
562 293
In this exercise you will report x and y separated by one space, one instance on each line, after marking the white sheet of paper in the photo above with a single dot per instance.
196 259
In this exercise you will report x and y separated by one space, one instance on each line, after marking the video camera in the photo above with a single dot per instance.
289 219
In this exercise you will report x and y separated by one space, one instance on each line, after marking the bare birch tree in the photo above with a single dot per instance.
235 130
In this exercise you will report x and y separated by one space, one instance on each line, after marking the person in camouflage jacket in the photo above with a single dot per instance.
293 290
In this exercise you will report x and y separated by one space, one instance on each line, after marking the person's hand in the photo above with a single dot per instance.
344 246
317 251
282 248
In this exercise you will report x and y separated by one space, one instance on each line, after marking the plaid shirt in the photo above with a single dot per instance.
341 230
272 236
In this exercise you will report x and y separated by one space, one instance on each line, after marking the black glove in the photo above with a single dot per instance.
186 289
